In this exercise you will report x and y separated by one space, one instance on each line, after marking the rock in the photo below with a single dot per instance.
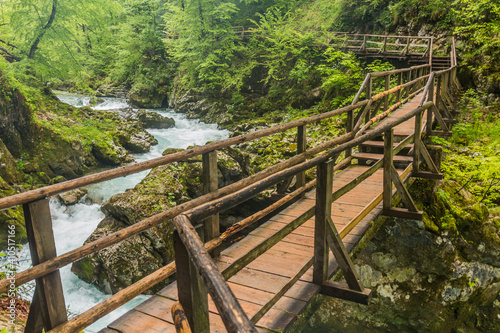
72 197
150 119
118 265
61 169
148 97
95 100
111 91
110 154
8 168
138 142
11 218
16 128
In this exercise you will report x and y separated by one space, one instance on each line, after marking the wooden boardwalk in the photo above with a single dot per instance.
268 275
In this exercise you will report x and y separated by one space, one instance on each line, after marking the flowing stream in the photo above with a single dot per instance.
72 225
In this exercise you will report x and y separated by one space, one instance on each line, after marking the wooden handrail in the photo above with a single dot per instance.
230 310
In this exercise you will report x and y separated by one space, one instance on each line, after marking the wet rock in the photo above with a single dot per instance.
95 100
136 141
110 154
72 197
118 265
150 119
148 96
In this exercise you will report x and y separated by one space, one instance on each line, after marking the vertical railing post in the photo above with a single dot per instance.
430 53
210 184
387 181
323 211
368 96
400 82
192 292
417 141
439 91
301 147
387 87
48 308
430 98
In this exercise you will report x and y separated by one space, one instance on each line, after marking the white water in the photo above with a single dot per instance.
72 225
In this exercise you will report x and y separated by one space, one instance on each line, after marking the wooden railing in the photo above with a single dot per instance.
48 306
387 45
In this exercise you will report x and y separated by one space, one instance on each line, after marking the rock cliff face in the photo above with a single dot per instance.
444 278
16 128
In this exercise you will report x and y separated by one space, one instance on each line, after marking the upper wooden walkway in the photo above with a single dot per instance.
266 279
287 261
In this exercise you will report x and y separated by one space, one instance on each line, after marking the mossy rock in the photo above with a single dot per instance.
145 96
13 216
454 208
8 168
151 119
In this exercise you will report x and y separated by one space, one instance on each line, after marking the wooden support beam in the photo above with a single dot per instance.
400 82
403 192
211 184
417 142
193 294
369 91
403 213
428 160
342 291
439 118
428 175
387 87
323 211
302 147
49 299
388 156
441 134
342 256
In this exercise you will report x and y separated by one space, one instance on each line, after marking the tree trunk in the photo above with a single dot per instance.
42 32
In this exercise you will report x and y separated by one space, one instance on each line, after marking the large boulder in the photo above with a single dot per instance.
118 265
145 96
150 119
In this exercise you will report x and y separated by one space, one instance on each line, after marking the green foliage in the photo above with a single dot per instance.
473 159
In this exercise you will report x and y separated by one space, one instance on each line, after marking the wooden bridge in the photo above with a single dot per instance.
267 279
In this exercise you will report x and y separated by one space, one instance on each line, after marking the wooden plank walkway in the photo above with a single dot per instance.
263 278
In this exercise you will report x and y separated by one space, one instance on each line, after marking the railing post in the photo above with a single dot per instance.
323 211
387 87
417 141
388 156
193 294
400 82
430 98
349 128
210 184
368 96
48 308
301 147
